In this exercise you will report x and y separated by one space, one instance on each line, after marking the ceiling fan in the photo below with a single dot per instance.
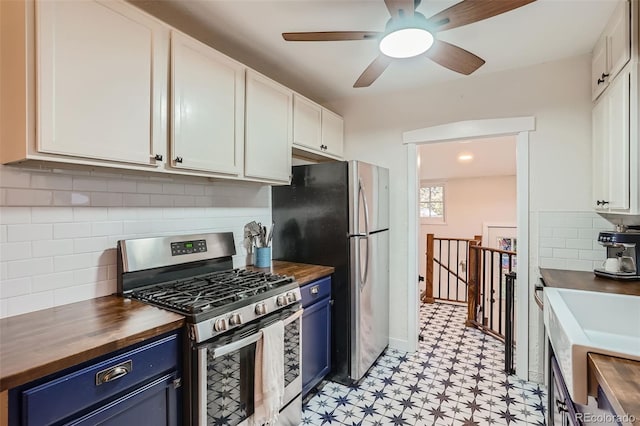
408 33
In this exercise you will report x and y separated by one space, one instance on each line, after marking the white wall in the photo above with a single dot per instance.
557 94
469 203
58 229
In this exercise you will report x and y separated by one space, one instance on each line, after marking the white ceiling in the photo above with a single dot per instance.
250 31
491 157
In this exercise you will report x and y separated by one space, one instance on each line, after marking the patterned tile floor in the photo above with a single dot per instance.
455 378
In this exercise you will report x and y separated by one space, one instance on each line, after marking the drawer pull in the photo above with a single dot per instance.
315 289
114 373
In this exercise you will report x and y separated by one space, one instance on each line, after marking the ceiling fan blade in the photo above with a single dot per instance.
373 71
453 57
470 11
331 36
395 6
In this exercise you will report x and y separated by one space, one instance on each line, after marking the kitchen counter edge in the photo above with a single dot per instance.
36 344
302 272
620 381
588 281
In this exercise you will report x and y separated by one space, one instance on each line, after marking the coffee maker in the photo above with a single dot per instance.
623 254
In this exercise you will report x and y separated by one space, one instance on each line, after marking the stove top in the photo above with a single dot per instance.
213 293
193 275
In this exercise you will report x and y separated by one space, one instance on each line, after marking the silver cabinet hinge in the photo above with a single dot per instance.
177 383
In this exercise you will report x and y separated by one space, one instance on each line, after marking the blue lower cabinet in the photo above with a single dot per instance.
316 332
140 384
153 404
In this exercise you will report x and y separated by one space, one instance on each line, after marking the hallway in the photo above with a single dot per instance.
455 378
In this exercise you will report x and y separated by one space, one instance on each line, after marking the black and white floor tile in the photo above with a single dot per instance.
455 378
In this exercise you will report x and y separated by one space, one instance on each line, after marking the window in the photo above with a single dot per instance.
432 202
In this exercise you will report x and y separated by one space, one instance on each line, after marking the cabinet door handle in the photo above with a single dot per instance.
178 160
601 202
158 157
602 78
315 289
114 373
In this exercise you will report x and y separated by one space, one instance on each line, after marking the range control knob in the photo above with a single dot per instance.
220 324
235 319
261 309
291 297
281 300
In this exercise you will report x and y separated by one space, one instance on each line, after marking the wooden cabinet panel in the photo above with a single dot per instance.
619 39
269 129
207 112
82 49
599 68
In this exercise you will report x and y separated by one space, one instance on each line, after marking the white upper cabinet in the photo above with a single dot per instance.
81 49
612 51
611 147
332 133
307 123
317 132
207 114
269 129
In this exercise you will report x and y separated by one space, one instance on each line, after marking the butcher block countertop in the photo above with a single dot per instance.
39 343
302 272
580 280
619 378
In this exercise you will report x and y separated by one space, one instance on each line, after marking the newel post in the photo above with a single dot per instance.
428 294
472 288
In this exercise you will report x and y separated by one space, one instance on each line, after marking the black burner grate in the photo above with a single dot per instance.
203 293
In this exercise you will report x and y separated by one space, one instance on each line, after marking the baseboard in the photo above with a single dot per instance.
401 345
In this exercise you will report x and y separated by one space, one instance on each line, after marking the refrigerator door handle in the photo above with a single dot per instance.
364 276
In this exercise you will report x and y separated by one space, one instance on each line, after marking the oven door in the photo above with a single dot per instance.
226 371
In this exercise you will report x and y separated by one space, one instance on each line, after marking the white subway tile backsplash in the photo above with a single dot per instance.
29 302
15 251
106 228
149 188
89 184
573 243
64 251
29 267
90 275
51 181
579 265
83 214
106 199
172 188
71 230
29 232
14 215
48 248
16 287
52 281
89 245
28 197
51 214
71 198
11 177
73 261
122 186
584 244
135 200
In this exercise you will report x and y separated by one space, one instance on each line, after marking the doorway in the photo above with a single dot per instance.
520 128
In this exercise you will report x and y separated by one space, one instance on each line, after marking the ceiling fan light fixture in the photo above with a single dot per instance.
406 42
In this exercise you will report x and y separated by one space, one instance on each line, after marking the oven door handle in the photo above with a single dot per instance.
239 344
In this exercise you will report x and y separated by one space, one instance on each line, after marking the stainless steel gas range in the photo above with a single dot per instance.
226 310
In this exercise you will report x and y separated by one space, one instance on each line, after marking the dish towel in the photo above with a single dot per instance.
269 380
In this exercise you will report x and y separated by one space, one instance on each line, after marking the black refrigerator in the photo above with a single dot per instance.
337 214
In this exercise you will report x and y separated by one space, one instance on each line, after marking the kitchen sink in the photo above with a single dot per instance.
578 322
